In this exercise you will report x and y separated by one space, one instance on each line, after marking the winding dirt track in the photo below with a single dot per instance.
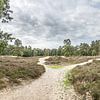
47 87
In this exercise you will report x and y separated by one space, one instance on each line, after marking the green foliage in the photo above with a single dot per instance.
18 43
27 53
4 39
67 42
5 11
94 53
59 51
67 79
17 49
95 47
68 50
53 52
84 49
3 45
1 6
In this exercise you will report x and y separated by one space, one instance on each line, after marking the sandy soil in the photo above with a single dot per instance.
47 87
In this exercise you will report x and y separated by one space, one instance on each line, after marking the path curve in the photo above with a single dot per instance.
47 87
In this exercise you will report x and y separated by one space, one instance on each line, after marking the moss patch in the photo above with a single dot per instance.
56 66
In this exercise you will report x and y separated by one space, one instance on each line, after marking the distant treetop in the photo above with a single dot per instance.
5 11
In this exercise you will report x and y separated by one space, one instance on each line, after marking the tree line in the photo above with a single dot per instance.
17 49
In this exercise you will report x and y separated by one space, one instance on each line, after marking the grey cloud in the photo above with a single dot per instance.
46 22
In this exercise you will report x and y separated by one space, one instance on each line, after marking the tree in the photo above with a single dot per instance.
4 17
46 52
9 50
95 47
93 53
76 51
59 51
29 52
4 39
5 11
3 45
84 49
67 48
67 42
18 43
6 36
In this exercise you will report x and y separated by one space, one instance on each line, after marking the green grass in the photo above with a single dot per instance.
66 80
55 66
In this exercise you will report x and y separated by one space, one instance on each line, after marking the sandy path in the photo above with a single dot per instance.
47 87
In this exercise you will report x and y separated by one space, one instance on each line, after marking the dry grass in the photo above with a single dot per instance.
87 79
67 60
15 69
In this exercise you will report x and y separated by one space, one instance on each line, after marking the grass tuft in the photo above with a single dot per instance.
66 80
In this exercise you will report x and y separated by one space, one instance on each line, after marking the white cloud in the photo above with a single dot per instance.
96 0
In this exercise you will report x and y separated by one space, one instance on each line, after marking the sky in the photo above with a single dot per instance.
46 23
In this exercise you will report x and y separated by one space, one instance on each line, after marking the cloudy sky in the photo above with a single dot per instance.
46 23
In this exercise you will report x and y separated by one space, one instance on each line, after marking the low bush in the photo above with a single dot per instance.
57 60
18 69
86 78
